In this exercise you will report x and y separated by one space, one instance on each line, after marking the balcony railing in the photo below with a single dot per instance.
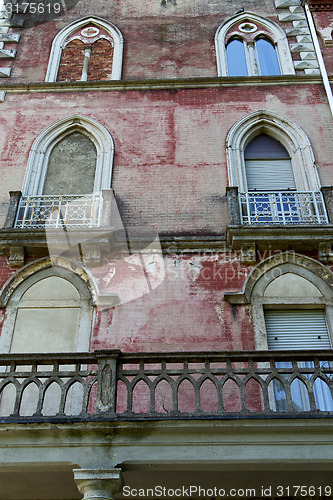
55 211
288 207
110 385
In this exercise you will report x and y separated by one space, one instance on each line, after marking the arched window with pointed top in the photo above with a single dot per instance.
69 166
237 65
251 45
271 162
90 49
267 58
268 165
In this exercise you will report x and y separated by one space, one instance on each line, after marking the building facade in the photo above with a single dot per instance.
166 257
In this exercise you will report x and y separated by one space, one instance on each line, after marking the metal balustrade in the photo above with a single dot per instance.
288 207
111 385
54 211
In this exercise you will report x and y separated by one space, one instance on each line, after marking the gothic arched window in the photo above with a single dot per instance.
50 311
270 160
236 58
75 154
69 166
89 49
250 45
267 57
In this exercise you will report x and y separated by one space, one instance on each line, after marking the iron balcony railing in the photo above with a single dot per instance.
111 385
55 211
287 207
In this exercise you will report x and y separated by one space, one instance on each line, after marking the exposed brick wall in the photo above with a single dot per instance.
100 64
5 271
71 63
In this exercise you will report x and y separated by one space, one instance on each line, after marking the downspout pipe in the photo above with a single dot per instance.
319 56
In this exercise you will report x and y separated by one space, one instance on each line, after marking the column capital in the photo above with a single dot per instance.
98 484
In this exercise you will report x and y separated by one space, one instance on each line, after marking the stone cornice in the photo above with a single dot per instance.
278 235
160 84
320 5
35 242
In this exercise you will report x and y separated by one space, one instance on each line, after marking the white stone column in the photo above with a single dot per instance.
98 484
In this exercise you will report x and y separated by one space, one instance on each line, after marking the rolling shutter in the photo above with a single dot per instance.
297 329
269 175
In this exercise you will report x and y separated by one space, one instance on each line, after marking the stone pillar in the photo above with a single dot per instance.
233 206
108 200
98 484
327 192
12 208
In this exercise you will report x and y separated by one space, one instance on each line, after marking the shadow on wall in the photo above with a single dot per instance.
134 266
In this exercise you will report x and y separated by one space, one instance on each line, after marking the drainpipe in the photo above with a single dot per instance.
319 55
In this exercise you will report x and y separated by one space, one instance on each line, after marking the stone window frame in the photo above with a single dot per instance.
17 285
270 269
278 37
67 31
40 152
291 136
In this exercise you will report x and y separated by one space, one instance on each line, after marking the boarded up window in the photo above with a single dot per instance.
71 63
47 317
87 55
100 64
72 165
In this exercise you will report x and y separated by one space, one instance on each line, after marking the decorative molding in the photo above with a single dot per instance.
278 36
39 155
5 72
97 484
284 130
162 84
294 12
7 54
9 37
7 22
322 5
325 252
17 256
248 253
58 42
271 268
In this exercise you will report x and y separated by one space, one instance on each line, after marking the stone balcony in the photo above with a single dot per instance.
115 386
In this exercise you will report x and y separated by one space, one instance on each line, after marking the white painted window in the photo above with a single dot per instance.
268 151
241 62
251 45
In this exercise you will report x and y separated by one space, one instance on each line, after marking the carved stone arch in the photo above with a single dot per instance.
39 154
317 295
73 269
58 42
278 265
291 136
65 273
278 36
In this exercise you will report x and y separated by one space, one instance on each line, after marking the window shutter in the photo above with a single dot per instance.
269 175
297 329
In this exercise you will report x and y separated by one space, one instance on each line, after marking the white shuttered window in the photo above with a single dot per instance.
268 165
297 329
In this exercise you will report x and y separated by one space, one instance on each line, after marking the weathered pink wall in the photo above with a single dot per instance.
170 170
